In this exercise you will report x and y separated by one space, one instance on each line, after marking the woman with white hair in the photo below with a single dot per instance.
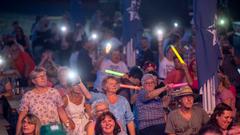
150 122
76 107
98 107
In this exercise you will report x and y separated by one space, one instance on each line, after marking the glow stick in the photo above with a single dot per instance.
177 54
178 85
130 87
119 74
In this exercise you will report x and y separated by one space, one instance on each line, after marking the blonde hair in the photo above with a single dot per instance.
34 120
108 78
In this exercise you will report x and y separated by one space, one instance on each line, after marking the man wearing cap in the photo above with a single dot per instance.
187 119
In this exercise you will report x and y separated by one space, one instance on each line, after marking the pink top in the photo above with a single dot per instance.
195 85
227 94
233 90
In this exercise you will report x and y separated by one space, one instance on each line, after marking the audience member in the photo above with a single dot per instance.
107 125
150 122
178 120
98 107
145 54
114 63
76 108
118 105
85 65
31 125
23 40
44 102
224 94
222 118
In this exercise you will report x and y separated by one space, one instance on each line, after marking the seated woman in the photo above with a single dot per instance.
98 107
222 118
107 125
225 95
118 105
177 75
31 125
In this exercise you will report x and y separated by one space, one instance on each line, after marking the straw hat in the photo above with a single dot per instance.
183 91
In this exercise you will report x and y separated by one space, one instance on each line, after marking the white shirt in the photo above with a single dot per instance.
108 64
165 66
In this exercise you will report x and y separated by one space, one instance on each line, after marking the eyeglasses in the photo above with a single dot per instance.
102 110
149 83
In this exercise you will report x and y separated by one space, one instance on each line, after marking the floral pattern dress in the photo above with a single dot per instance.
44 106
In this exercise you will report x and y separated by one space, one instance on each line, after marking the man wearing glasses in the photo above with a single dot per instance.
151 116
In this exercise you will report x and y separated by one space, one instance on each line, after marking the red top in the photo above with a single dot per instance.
175 76
22 61
233 90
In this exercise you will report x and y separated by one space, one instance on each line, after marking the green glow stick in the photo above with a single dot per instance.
114 73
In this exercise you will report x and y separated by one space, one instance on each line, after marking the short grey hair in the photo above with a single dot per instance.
96 103
147 76
36 71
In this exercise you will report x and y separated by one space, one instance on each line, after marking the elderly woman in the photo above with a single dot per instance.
225 95
44 102
76 107
98 107
118 105
150 107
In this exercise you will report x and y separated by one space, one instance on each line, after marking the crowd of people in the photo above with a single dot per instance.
93 102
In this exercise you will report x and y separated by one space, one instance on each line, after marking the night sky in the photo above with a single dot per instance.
152 11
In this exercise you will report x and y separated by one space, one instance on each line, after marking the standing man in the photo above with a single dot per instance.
145 54
187 119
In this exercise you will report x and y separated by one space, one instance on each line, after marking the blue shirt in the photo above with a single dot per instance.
121 109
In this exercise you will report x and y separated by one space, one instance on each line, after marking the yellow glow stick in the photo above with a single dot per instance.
177 54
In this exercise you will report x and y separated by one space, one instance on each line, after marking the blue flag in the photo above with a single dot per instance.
207 49
132 26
